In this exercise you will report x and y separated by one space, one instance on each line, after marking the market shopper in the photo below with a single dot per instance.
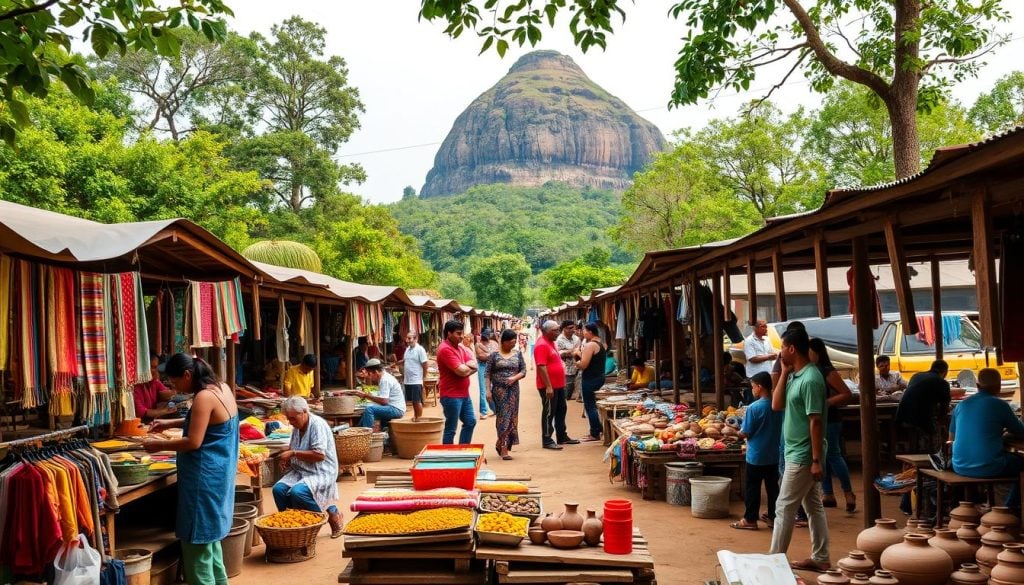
758 350
484 348
887 381
800 393
415 360
923 407
312 463
389 401
551 386
505 368
206 462
455 365
762 430
837 394
591 363
298 380
567 343
151 397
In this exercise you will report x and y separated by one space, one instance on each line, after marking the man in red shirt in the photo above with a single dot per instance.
455 365
551 385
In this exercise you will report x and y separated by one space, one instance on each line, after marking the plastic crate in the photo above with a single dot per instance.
445 477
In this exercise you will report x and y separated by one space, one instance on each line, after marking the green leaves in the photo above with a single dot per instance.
499 282
569 280
1001 108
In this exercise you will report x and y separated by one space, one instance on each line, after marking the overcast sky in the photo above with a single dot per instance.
414 81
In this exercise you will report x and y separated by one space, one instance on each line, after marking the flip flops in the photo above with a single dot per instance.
742 525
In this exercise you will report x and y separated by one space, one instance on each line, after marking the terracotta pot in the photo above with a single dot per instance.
860 579
916 562
833 577
1009 569
968 532
1000 516
991 545
876 539
969 574
965 513
571 520
550 523
911 526
925 528
856 562
592 529
959 551
882 577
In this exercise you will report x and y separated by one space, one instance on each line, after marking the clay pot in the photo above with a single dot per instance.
565 538
911 526
537 535
876 539
991 545
1009 569
882 577
860 579
969 574
1000 516
916 562
551 523
965 513
925 528
968 533
856 562
833 577
959 551
571 520
592 529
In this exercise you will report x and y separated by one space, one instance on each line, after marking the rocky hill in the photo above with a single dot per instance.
544 121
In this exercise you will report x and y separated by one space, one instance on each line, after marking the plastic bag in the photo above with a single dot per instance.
77 564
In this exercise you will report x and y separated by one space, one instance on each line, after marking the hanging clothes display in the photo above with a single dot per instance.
926 329
230 310
951 329
95 346
389 327
61 342
6 290
281 332
620 321
307 338
29 334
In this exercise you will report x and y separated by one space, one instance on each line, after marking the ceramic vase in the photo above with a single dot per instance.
571 520
916 562
911 526
833 577
924 528
969 574
883 577
959 551
856 562
876 539
551 522
968 532
1000 516
592 529
991 545
860 579
965 513
1009 569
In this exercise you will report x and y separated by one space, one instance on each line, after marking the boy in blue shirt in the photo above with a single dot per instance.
762 428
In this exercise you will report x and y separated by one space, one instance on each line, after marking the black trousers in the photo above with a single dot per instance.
552 417
757 474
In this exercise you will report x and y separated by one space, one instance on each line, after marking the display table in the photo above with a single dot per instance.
130 493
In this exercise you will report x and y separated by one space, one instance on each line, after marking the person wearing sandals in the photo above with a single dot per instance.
592 364
838 395
762 429
505 368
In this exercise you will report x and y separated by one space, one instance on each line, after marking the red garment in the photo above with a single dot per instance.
147 395
876 320
449 358
926 329
32 535
545 354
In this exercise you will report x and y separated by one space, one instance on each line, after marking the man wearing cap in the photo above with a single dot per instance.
389 401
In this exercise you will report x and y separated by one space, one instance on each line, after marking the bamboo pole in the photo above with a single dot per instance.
937 306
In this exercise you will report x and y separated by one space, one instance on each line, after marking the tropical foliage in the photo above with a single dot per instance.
284 253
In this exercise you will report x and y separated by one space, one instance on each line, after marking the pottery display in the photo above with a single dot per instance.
965 513
911 526
592 529
969 574
991 545
857 562
551 522
925 528
883 577
1000 516
565 538
537 535
958 550
571 519
916 562
1009 569
833 577
860 579
876 539
968 532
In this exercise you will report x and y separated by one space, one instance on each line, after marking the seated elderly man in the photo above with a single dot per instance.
388 402
976 431
312 463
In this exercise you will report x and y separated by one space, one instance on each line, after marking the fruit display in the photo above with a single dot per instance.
290 519
652 429
503 523
432 520
510 503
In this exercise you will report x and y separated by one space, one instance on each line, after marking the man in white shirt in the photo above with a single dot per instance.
758 350
388 402
566 344
887 381
415 365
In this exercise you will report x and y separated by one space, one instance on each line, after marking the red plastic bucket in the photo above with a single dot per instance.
618 536
618 510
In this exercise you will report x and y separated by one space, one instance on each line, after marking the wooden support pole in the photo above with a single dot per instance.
716 340
318 388
821 274
232 370
695 341
904 294
257 322
937 307
353 341
656 300
780 286
984 269
751 292
864 312
673 342
726 292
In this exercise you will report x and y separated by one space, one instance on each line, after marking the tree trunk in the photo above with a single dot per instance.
296 199
906 146
901 100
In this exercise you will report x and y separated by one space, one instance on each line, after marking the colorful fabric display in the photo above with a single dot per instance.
28 333
407 505
6 279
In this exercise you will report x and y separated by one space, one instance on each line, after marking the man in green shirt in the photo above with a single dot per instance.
800 392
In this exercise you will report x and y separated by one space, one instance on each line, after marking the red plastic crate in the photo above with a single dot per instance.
428 479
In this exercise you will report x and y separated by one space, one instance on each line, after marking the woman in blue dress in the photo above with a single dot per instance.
207 459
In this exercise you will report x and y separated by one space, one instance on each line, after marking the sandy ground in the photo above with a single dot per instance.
683 547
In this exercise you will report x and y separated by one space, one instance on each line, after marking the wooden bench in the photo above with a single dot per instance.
951 479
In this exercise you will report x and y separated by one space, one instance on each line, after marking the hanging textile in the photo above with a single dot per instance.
876 314
951 329
203 314
389 327
425 321
281 332
926 329
413 319
230 308
620 322
307 338
94 332
61 339
29 333
1011 285
6 280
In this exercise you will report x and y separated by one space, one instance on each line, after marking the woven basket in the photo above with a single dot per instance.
339 404
130 473
290 545
352 445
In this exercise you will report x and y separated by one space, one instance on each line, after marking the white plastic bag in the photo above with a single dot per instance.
77 564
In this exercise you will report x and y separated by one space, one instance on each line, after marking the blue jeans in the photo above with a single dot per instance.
298 497
379 412
455 410
589 388
834 462
481 370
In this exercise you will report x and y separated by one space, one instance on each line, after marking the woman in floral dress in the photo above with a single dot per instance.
505 368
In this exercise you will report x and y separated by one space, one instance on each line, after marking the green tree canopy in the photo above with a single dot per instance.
499 282
1001 108
569 280
453 286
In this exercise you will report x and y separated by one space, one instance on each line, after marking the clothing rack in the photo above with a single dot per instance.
47 436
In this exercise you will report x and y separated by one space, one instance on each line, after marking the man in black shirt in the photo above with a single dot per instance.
925 404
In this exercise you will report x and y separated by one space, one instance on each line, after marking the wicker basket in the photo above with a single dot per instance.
352 445
290 545
345 404
130 473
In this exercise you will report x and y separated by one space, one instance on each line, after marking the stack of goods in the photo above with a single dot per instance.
444 466
685 432
250 457
410 523
501 528
404 500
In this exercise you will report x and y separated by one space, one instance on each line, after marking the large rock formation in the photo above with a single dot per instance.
545 120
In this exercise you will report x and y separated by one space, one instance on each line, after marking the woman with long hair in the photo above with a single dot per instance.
592 364
207 459
838 394
505 368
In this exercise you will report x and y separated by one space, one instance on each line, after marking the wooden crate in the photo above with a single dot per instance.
415 572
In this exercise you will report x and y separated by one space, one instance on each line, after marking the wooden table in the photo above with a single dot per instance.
608 412
336 419
130 493
430 389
